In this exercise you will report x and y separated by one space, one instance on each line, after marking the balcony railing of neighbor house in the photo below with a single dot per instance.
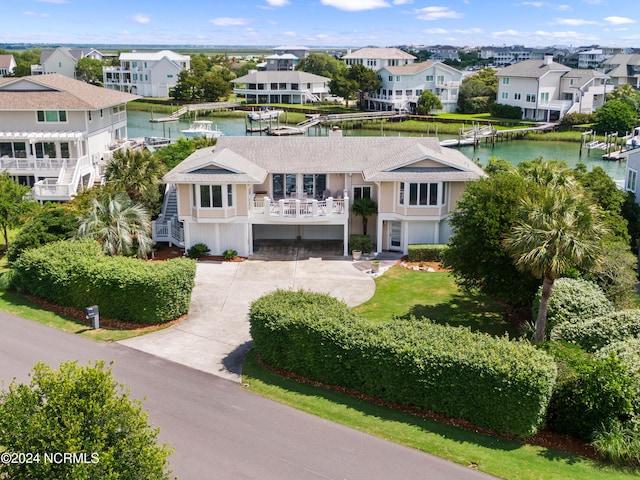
32 164
309 209
168 230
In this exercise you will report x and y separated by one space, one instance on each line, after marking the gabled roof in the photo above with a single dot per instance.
7 61
414 68
377 158
381 53
582 76
268 76
154 56
56 92
531 69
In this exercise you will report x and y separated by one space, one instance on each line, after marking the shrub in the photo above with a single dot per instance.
360 242
576 118
573 299
229 254
619 444
449 370
198 250
426 253
628 351
599 393
77 274
594 333
505 111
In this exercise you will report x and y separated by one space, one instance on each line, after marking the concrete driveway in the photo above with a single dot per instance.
215 336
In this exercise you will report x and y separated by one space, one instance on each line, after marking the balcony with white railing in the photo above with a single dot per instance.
168 230
25 165
300 210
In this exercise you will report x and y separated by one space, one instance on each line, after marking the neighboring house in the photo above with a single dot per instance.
285 58
148 74
63 60
546 90
7 64
249 189
590 58
377 58
293 87
503 56
623 69
440 53
402 86
56 133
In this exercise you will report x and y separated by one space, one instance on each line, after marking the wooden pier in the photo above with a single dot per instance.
196 107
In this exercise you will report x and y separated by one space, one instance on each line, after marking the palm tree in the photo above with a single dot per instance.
138 173
364 207
558 229
119 225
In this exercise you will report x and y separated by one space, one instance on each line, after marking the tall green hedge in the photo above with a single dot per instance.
426 252
495 383
77 274
594 333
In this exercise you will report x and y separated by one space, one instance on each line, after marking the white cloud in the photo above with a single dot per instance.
436 31
277 3
436 13
290 34
355 5
402 2
141 18
229 22
35 14
564 8
533 4
619 20
574 22
541 36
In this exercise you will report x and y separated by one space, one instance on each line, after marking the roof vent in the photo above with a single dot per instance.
548 58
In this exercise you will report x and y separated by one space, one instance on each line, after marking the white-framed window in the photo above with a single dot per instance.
504 95
429 78
391 78
361 191
531 98
517 96
440 80
57 116
544 97
632 176
422 194
506 80
212 196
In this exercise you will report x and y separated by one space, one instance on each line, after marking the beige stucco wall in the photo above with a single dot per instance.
386 197
184 200
455 192
240 197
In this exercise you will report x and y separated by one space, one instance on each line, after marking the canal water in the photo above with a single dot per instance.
514 151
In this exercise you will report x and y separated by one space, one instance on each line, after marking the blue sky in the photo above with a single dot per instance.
322 22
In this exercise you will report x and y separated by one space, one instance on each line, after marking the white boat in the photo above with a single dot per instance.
264 114
634 141
202 128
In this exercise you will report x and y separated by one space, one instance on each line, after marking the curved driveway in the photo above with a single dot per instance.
215 335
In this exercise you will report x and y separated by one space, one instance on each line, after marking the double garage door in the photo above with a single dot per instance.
294 232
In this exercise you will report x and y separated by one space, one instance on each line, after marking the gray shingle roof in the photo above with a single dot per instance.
268 76
383 53
56 92
531 69
377 158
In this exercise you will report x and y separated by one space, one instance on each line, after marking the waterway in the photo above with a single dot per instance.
514 151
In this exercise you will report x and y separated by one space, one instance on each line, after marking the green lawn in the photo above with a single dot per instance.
497 456
435 295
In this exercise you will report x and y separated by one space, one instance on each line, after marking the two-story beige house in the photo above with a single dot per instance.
249 189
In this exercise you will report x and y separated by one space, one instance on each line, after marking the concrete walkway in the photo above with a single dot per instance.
215 336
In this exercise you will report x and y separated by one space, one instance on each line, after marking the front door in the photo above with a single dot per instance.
395 236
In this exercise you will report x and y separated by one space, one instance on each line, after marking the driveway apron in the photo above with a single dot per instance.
215 335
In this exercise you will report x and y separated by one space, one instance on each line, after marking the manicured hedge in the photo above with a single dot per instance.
425 253
572 300
494 383
77 274
360 242
594 333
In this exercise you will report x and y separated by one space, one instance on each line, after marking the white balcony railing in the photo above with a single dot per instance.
33 164
302 209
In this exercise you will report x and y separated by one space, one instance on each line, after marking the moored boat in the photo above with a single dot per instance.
264 114
202 128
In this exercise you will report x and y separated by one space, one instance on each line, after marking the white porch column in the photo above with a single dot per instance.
281 204
345 236
329 206
379 235
267 206
436 232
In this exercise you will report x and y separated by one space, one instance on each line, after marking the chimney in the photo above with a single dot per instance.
548 58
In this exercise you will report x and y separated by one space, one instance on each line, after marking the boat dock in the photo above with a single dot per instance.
195 107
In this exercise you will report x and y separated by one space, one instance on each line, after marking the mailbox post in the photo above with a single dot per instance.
93 313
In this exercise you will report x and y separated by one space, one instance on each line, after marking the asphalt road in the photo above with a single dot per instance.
218 430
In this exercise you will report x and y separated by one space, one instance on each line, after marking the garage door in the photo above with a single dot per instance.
275 232
322 232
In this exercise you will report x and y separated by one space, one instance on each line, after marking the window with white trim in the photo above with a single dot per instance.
517 96
632 176
211 196
505 81
504 95
361 191
58 116
422 194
